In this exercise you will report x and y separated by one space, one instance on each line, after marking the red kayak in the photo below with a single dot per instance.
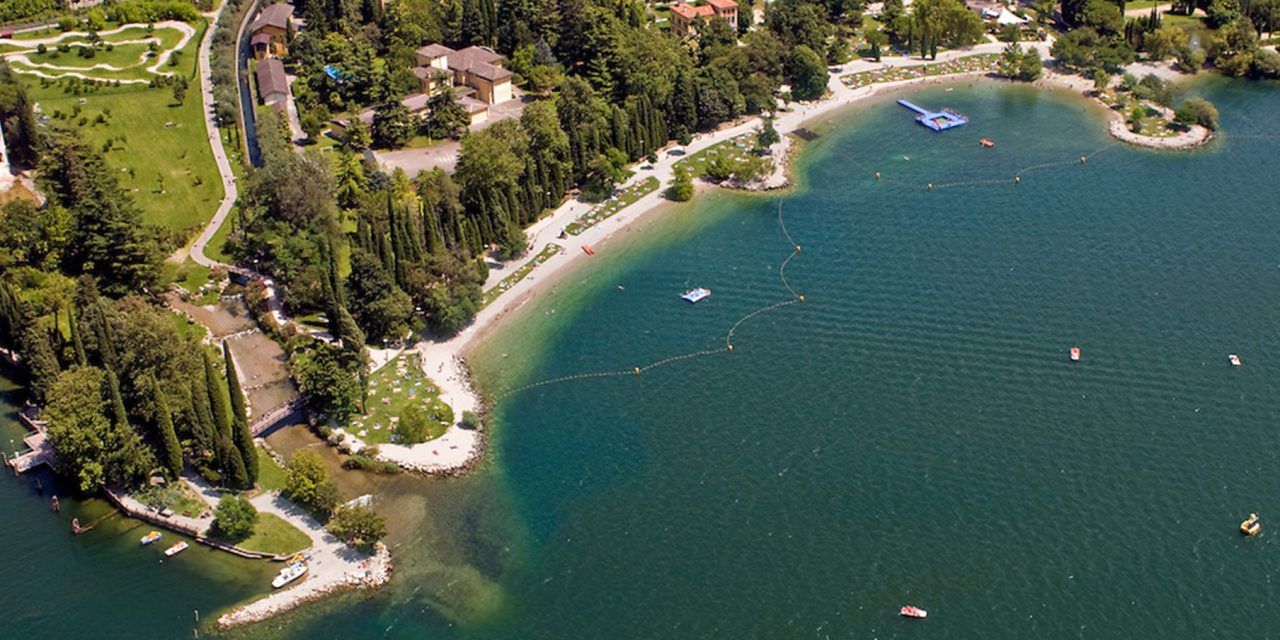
910 611
587 248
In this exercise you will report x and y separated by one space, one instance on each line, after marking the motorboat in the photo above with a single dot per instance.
289 574
1235 360
695 295
1252 526
150 537
911 611
176 549
1075 354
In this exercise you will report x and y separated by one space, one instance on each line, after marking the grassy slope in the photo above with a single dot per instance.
142 143
270 474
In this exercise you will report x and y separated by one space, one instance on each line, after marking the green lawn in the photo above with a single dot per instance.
270 474
273 535
736 145
968 64
390 392
161 147
128 52
605 210
518 275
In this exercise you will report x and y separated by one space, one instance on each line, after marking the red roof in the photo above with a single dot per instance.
723 4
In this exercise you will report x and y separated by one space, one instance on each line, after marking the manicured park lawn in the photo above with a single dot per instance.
398 385
160 147
738 145
273 535
620 200
519 274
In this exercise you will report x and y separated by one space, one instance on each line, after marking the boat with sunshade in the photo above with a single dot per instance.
1075 354
150 537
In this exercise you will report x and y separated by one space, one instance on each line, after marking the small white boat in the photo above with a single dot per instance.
911 611
1235 360
176 549
289 574
695 295
1075 354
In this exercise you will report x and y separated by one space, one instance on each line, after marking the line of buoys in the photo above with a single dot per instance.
1017 176
728 339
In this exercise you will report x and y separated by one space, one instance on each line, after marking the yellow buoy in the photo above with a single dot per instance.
1017 179
877 175
801 298
637 370
730 347
931 186
1081 159
797 248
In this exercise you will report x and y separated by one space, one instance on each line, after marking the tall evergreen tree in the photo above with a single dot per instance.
170 449
233 472
240 419
119 416
217 402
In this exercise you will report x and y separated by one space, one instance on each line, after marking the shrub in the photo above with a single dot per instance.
367 463
1198 111
307 482
470 420
359 526
412 428
234 518
681 189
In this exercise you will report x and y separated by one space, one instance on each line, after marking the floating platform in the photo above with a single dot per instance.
695 295
936 120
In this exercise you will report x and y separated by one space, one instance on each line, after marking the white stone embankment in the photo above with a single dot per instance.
332 565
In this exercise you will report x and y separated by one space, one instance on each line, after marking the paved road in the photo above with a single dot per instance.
215 142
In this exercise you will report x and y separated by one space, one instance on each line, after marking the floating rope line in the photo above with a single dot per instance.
795 251
728 338
1016 179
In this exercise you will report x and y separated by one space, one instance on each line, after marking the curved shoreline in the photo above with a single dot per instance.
444 359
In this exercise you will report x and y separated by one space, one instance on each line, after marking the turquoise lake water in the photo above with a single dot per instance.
912 433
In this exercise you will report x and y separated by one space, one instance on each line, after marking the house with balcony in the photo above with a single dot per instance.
269 33
685 17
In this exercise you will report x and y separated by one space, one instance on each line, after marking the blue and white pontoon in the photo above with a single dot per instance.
694 295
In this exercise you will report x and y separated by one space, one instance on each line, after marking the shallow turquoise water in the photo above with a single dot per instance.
913 432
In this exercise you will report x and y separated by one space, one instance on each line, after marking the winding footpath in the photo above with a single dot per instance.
230 193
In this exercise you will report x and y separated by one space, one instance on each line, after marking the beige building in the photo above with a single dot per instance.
269 32
685 17
477 68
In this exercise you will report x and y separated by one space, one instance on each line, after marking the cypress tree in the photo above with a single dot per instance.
204 416
170 450
119 416
217 401
38 354
75 337
240 419
233 473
